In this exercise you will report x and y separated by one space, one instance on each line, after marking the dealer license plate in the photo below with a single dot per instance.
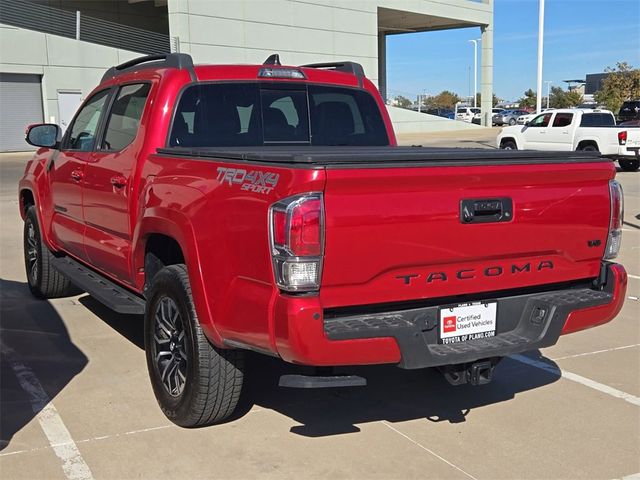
467 321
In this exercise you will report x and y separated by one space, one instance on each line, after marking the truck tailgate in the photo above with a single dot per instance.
396 234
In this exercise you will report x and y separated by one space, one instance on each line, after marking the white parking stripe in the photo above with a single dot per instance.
633 276
427 450
634 476
596 351
578 379
73 465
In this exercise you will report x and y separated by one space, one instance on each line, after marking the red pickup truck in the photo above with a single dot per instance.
268 208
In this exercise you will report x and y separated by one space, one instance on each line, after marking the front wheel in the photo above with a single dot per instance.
509 145
43 279
512 122
195 383
629 165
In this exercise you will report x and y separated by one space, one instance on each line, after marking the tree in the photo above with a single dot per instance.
560 98
574 98
529 99
402 102
622 83
444 99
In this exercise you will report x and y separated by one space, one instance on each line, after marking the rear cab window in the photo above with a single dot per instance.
255 114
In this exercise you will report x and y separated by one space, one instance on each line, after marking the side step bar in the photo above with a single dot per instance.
102 289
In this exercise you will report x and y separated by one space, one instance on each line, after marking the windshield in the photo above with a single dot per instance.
251 114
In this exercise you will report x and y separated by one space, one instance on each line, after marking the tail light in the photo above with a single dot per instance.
622 137
615 222
296 230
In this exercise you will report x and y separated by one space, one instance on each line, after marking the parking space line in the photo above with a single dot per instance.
596 351
73 465
627 397
427 450
633 276
92 439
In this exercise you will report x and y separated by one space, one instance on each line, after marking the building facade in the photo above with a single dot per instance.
58 50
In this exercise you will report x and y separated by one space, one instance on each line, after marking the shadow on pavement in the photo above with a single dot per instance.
392 394
37 338
130 327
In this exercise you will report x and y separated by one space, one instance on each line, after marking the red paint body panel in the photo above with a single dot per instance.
594 316
383 224
387 229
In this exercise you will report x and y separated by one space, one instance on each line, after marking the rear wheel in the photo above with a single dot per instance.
512 121
43 279
590 147
629 165
195 383
508 145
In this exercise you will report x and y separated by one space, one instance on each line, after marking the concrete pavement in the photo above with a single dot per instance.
530 422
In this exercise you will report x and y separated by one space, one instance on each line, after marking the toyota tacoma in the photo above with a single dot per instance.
268 208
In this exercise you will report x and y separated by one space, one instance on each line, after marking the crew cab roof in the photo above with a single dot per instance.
336 73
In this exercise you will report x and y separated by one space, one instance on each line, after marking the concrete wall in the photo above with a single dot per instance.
248 31
144 15
408 121
64 63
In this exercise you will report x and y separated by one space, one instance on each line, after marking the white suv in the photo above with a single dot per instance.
466 114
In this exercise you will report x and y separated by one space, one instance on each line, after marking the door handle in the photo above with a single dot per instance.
118 181
77 175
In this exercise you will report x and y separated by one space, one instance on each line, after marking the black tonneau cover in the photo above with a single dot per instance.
378 156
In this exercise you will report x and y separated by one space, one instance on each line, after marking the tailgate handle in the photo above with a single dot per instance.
486 210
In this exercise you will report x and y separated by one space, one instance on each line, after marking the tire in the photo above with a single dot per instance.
43 279
195 383
590 148
629 165
508 145
512 121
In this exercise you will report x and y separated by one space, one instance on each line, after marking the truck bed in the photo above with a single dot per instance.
380 156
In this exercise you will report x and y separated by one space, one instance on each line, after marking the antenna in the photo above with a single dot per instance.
273 60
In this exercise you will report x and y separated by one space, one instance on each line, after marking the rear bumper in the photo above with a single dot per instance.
628 153
408 338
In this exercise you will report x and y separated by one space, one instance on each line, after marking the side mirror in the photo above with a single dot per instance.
43 135
526 124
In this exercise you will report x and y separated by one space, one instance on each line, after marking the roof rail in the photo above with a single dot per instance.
181 61
347 67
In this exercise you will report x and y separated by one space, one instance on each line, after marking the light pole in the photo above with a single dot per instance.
548 82
475 70
540 47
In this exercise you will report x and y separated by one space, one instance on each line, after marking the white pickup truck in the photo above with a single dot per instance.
576 129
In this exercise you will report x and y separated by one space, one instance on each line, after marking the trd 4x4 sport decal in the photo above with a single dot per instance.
252 181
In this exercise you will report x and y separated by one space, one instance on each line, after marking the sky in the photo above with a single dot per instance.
581 36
